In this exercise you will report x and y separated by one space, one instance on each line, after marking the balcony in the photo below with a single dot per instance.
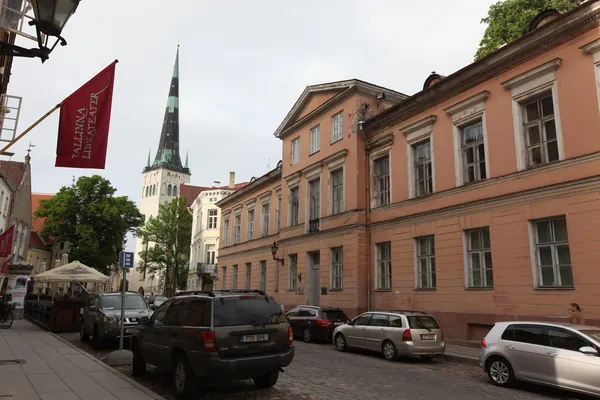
206 269
15 16
10 110
314 225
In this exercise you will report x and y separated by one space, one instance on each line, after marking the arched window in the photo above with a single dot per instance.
169 189
174 190
146 192
153 189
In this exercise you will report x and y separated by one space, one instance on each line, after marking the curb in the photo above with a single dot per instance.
461 359
111 369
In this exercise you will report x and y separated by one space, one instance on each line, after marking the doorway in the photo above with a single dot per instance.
314 269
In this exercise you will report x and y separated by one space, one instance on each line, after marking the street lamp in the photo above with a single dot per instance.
50 17
274 249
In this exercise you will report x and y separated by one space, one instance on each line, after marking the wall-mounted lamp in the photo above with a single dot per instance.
274 248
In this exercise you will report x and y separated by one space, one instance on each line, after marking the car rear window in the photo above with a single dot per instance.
422 322
247 311
335 315
592 333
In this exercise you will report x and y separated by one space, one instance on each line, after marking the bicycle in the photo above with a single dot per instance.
6 315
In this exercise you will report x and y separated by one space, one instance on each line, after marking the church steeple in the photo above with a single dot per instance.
167 155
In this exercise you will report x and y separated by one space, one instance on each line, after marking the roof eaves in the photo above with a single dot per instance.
272 175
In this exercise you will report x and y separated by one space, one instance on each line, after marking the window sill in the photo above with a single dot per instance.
425 289
555 288
336 290
292 290
316 152
479 288
338 140
383 290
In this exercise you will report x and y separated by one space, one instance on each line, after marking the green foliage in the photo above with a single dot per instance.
168 237
508 20
92 219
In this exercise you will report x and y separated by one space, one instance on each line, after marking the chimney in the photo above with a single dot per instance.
231 180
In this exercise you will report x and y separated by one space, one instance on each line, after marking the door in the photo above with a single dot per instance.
149 335
355 333
315 292
527 351
375 332
569 367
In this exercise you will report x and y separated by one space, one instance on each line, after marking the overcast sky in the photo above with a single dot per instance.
242 66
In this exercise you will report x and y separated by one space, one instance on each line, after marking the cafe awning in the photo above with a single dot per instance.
72 272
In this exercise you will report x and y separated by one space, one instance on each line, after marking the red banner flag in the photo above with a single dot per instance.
4 266
6 241
84 122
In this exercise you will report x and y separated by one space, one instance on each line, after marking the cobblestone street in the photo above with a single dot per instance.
320 372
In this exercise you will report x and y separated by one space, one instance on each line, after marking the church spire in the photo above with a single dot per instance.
187 164
148 162
167 155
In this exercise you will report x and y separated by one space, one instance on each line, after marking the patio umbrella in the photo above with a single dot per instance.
72 272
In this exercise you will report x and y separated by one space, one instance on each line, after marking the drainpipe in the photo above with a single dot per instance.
368 217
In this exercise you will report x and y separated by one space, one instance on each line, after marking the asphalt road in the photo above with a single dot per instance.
320 372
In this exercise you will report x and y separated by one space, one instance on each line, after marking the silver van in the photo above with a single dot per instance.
393 333
554 354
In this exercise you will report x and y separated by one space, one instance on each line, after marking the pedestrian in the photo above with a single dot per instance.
151 299
576 314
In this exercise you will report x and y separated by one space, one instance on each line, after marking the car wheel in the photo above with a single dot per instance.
340 342
500 372
427 357
83 335
139 365
267 381
184 380
96 340
306 335
388 349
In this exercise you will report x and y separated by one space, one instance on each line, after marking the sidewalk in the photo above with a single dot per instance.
35 364
462 353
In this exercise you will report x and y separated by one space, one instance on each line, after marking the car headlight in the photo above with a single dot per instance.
110 320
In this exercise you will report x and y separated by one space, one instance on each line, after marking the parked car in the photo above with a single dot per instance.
393 333
554 354
102 314
215 336
315 323
156 302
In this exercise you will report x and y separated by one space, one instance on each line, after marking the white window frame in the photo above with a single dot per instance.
336 165
212 219
265 219
310 177
210 254
237 228
383 263
534 254
234 277
224 278
248 280
337 127
593 49
226 226
315 140
295 151
526 87
431 270
292 272
263 276
373 158
336 276
463 114
250 230
416 133
467 259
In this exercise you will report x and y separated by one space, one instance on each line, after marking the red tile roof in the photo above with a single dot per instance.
36 240
14 171
190 192
35 203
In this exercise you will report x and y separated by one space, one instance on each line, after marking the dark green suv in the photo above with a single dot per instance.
215 336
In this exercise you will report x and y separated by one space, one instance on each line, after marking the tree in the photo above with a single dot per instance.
508 20
90 217
167 238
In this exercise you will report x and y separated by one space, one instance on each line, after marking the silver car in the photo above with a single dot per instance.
554 354
393 333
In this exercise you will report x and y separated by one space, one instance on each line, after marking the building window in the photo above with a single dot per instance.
174 190
382 181
264 229
212 219
337 127
337 191
473 152
263 276
293 272
479 256
426 278
383 272
226 233
294 206
315 139
540 131
248 276
277 276
295 151
237 229
234 277
314 212
553 256
211 254
278 214
423 168
224 278
169 190
337 265
250 224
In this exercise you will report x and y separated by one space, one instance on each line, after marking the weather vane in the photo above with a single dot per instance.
31 146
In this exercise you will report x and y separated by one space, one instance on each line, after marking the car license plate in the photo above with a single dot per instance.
261 337
128 331
338 323
427 337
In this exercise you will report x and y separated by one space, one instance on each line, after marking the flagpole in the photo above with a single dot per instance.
26 131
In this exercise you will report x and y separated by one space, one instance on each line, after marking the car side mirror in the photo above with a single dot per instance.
588 350
350 322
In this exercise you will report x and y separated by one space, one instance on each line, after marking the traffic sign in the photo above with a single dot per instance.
126 259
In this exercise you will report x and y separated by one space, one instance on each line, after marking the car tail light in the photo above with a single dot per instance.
483 344
209 341
324 322
406 336
290 335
